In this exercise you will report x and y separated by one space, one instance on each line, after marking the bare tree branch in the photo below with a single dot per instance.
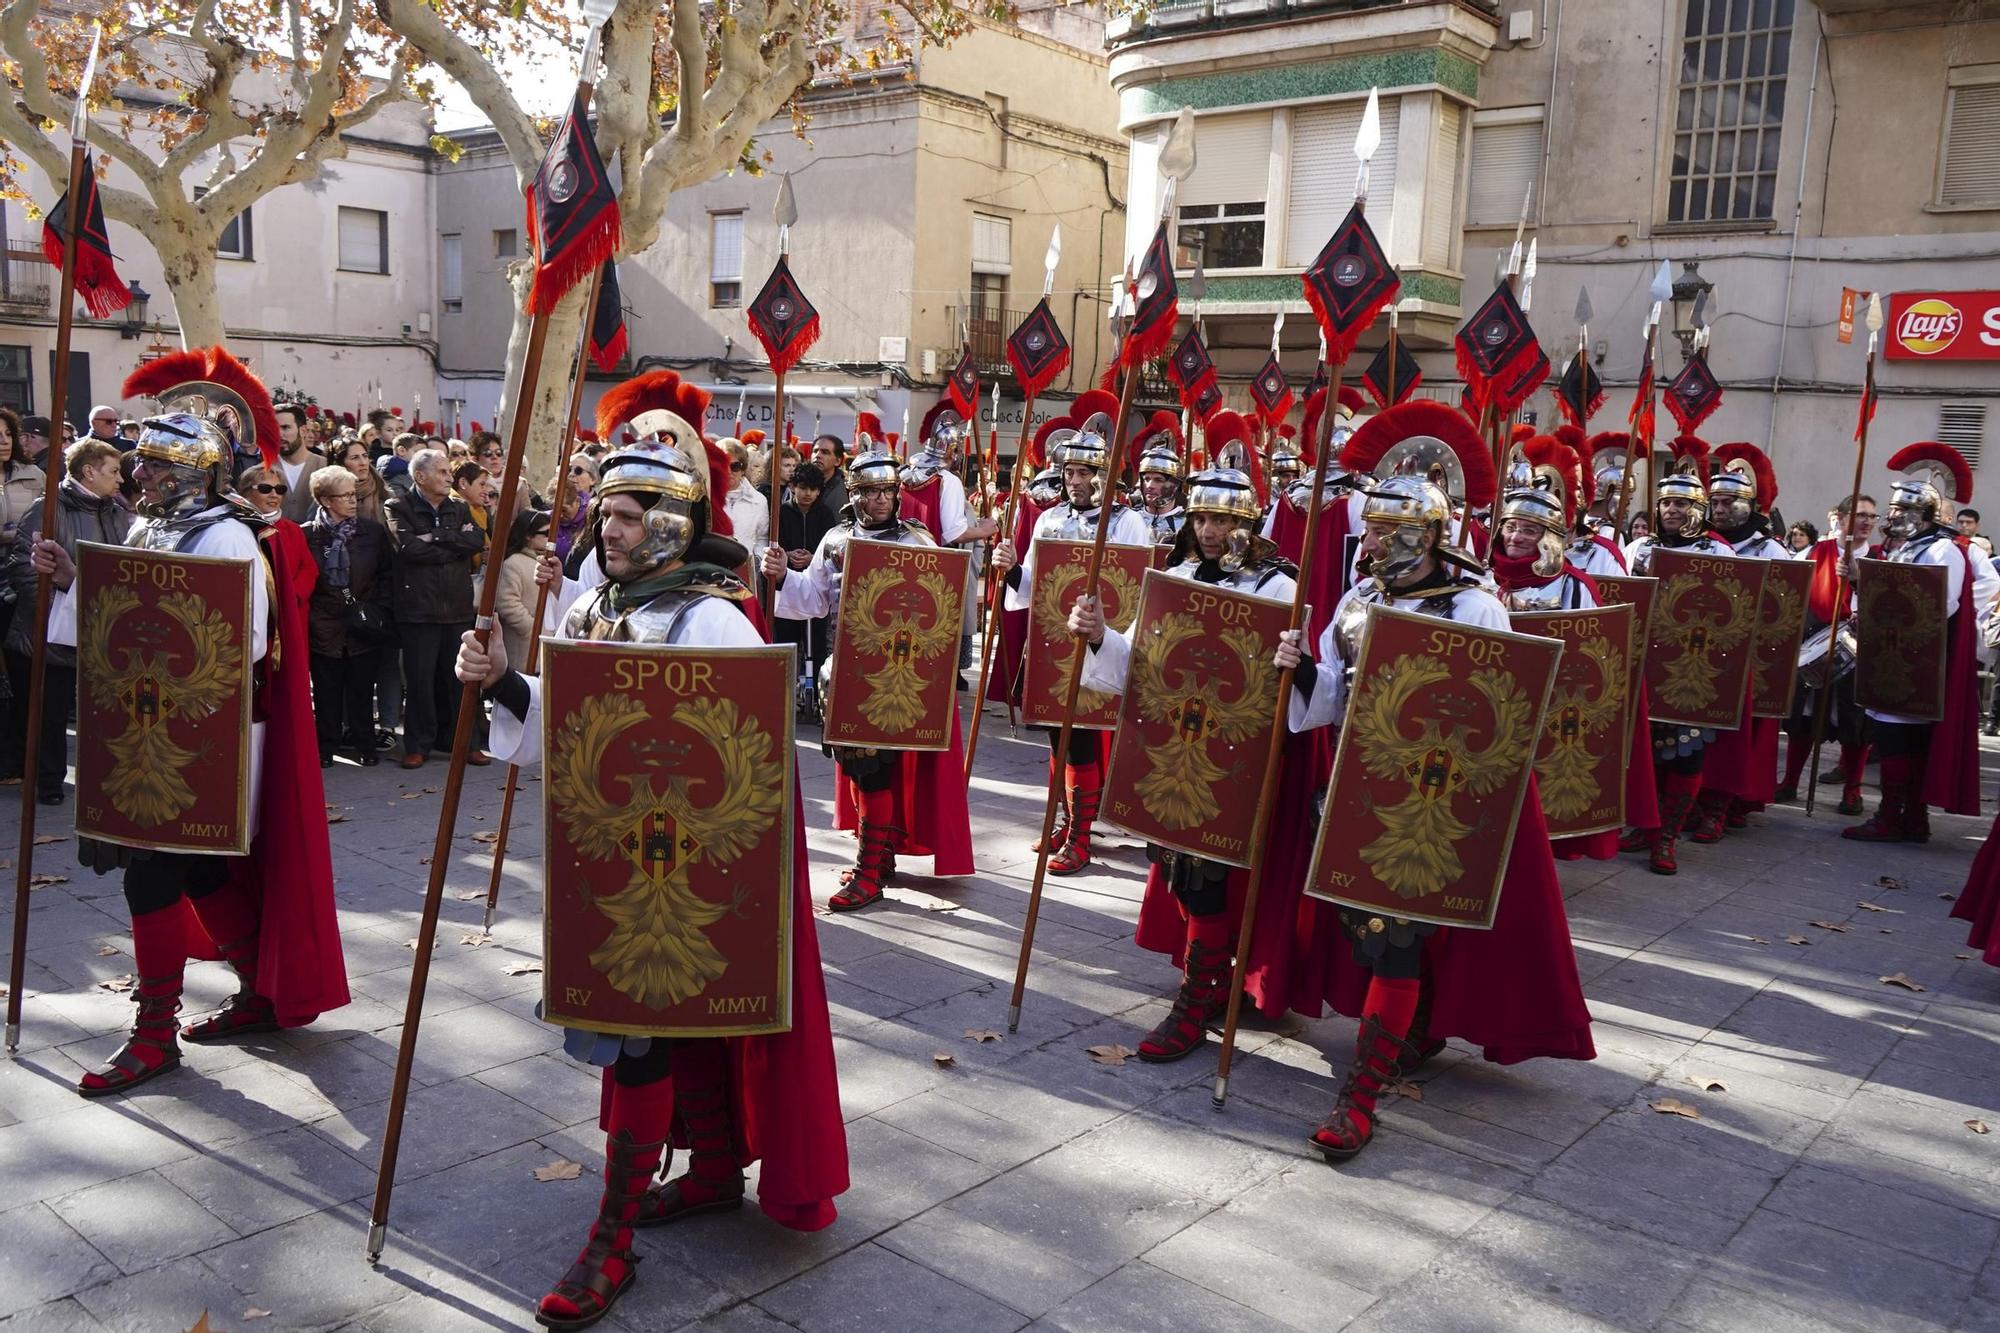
422 27
18 40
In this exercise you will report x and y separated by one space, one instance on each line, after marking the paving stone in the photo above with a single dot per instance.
874 1290
1832 1276
1892 1217
63 1316
968 1131
443 1125
1213 1167
1625 1174
1449 1300
93 1143
141 1221
897 1175
310 1271
1933 1135
240 1102
565 1090
275 1179
1710 1307
1140 1298
1018 1273
44 1259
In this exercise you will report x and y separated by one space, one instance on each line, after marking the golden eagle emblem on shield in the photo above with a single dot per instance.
1688 682
1416 854
152 683
672 820
1578 710
1188 691
1117 593
892 613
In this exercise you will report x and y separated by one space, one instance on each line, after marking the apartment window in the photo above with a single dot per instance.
1221 205
1969 161
451 273
989 295
506 243
1730 110
17 386
234 242
992 245
1963 427
725 260
364 240
1506 162
1323 170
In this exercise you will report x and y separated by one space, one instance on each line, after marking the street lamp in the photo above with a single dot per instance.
135 312
1691 292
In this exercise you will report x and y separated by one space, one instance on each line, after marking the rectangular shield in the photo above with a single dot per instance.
1900 624
667 824
163 699
1060 569
1704 617
1781 623
1194 723
1587 732
1639 593
895 652
1434 761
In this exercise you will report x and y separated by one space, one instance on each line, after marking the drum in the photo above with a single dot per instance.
1813 650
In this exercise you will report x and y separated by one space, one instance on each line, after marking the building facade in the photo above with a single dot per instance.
1784 149
926 200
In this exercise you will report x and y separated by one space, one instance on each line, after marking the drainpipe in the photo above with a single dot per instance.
1792 258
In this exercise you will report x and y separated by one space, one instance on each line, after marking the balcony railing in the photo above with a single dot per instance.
27 279
987 328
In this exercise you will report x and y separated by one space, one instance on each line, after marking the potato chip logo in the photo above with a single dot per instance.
1929 326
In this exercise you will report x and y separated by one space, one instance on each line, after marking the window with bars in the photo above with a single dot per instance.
1730 110
1969 159
725 260
1963 427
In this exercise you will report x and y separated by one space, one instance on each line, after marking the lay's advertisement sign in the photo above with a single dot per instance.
1944 326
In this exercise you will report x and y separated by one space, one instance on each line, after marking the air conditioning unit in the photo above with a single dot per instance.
930 363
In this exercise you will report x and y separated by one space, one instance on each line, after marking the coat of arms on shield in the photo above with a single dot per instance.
1194 723
895 676
1436 755
1639 592
1900 623
1781 624
667 792
1587 730
163 699
1060 571
1704 617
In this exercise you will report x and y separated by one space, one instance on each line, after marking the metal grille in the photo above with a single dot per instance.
1730 110
1963 427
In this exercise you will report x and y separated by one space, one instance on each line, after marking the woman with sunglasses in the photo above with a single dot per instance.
349 617
576 503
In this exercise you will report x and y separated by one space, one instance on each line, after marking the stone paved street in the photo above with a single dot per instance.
1830 1181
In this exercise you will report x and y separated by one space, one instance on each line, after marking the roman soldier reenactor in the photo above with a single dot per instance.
1193 907
1680 523
1162 470
1740 774
899 802
1933 763
669 577
1849 723
1084 451
1341 519
932 493
1594 547
269 915
1512 990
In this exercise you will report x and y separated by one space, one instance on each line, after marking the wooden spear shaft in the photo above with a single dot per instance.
1090 575
542 590
993 587
768 596
38 665
1274 751
1823 707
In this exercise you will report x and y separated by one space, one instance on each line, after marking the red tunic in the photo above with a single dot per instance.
1004 685
1979 901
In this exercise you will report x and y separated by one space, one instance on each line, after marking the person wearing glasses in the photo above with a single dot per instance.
104 423
264 489
433 540
349 617
575 507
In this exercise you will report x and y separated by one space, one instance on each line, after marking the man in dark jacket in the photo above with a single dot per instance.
432 539
87 510
801 523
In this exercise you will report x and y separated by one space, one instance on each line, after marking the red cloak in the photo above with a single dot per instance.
1326 582
300 967
930 806
1951 770
1979 901
924 503
1513 990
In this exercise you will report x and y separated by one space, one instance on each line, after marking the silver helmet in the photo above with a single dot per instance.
671 486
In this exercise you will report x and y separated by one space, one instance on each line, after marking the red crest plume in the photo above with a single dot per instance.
750 437
1351 398
1548 451
1089 403
655 390
1417 417
586 434
938 409
1692 451
217 366
867 423
476 428
1749 455
1167 424
1309 427
1947 459
1037 453
718 485
1226 428
1520 432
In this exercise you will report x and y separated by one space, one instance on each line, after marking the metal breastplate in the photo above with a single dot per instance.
1558 594
172 534
1164 527
1074 526
655 621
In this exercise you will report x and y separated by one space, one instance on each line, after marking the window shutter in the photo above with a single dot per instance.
1322 188
992 244
726 252
1441 192
361 240
1232 156
1505 159
451 278
1963 427
1972 152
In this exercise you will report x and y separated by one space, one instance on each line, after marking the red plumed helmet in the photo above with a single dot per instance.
750 437
1224 428
1167 424
1037 454
718 486
657 391
1750 459
213 365
940 409
1417 420
1690 454
1549 456
1351 399
1089 403
1946 467
867 423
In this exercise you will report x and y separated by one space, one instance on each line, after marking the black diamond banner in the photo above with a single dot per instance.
1190 367
964 386
1271 391
783 320
1378 379
1496 347
1159 305
1207 401
1580 393
1349 283
572 212
1693 395
1037 350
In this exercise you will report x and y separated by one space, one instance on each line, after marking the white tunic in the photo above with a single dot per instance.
1594 558
1107 664
1065 522
1471 604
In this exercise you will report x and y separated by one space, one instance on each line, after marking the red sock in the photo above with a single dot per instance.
1393 1002
1211 932
701 1080
1853 764
231 916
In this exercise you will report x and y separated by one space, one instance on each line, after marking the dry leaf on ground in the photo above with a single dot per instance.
1977 1126
1674 1106
118 985
1757 940
1961 957
1407 1090
411 795
1899 979
560 1169
254 1313
1833 926
43 881
202 1325
1797 939
943 1059
469 895
49 839
486 835
941 907
411 944
981 1034
475 939
1888 882
1708 1083
108 951
1867 906
1948 897
1108 1055
521 969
